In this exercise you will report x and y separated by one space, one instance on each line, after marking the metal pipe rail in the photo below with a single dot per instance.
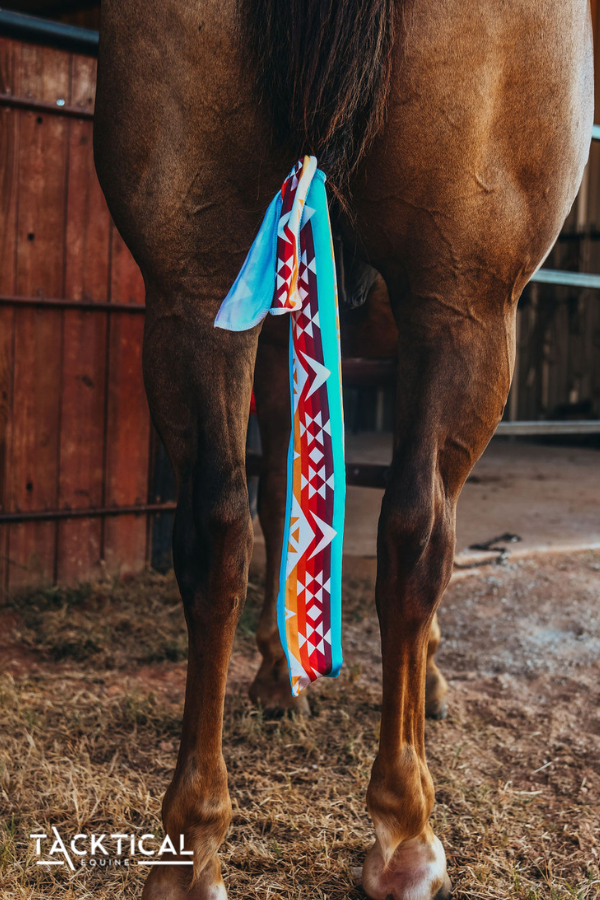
60 108
569 279
540 427
52 34
90 512
63 303
361 474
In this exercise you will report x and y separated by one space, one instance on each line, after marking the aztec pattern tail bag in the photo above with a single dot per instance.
290 268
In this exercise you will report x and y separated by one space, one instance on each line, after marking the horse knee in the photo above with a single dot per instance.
416 543
212 542
406 525
220 507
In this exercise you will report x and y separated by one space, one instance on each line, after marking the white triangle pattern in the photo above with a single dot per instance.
309 533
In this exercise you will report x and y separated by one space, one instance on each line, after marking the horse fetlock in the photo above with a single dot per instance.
271 688
178 883
197 812
269 644
400 799
407 861
415 870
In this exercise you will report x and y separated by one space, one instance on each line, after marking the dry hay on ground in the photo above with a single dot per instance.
91 707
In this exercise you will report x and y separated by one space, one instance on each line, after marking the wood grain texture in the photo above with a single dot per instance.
84 344
9 166
74 422
127 419
42 73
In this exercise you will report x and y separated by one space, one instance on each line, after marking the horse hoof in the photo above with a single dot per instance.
437 709
436 689
276 699
415 871
445 891
273 713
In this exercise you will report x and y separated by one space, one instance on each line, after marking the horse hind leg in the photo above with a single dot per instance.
198 380
453 379
370 331
271 686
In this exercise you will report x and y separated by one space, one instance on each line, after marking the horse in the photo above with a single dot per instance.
454 137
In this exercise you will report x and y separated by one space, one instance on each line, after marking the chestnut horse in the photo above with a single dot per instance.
454 136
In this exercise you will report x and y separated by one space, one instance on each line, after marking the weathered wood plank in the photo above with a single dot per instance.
84 341
128 420
44 74
9 166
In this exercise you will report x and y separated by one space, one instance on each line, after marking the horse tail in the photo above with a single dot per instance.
323 69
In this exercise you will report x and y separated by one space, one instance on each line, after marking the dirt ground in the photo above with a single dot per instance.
92 696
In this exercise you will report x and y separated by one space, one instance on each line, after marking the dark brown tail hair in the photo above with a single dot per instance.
323 69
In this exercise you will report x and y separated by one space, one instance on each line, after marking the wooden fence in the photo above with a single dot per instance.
74 424
557 375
